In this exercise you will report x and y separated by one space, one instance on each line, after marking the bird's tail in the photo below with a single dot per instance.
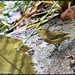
69 36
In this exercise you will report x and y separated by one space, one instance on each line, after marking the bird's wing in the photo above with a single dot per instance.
57 36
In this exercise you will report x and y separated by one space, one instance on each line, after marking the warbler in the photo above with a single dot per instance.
53 37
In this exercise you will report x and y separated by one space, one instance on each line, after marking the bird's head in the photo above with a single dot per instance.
42 31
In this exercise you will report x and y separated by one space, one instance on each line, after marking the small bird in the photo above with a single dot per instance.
53 37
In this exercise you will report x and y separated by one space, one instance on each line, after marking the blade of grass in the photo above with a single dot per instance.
27 5
17 4
2 27
38 25
34 25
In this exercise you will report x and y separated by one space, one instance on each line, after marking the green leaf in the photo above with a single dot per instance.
13 61
2 4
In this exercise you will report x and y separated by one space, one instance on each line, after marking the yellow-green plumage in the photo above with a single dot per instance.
53 37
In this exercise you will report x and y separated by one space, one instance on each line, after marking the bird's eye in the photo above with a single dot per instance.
40 29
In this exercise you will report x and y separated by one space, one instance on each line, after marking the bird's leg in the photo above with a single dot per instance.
52 53
55 50
57 45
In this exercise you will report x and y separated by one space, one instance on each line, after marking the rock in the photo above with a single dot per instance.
69 13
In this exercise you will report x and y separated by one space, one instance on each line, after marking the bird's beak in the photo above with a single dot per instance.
37 30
